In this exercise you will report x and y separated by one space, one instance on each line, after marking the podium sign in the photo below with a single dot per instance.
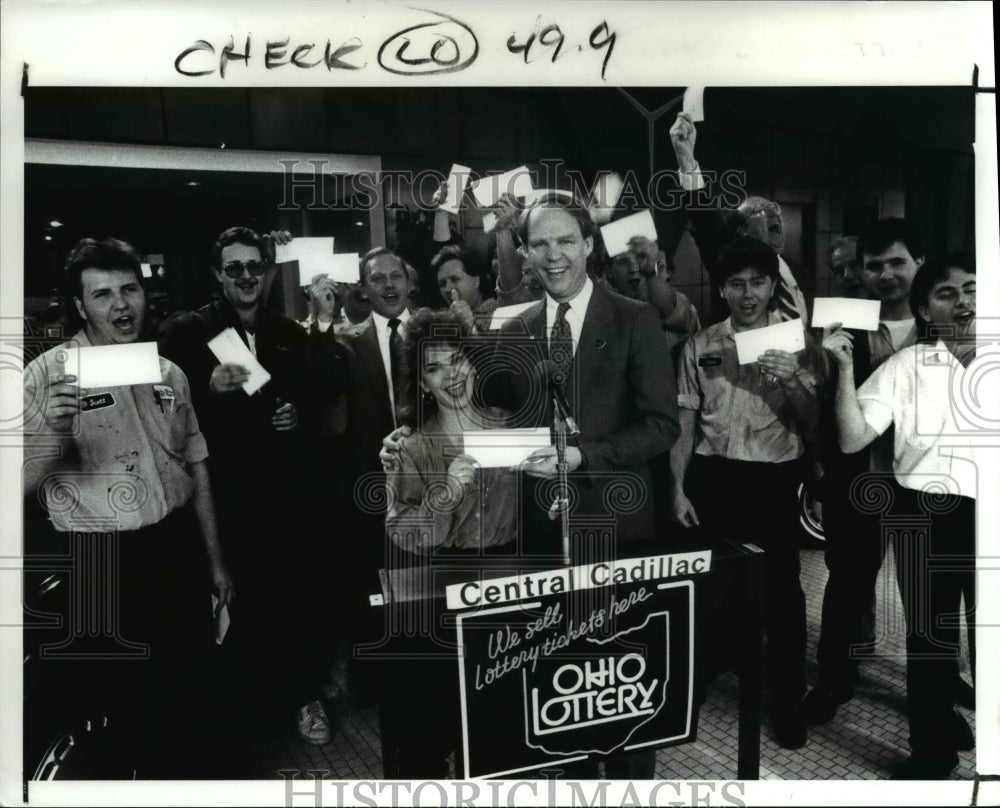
559 665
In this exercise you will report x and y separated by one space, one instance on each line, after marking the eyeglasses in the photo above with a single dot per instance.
234 269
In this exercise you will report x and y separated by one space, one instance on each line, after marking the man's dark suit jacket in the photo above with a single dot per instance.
622 390
369 410
241 440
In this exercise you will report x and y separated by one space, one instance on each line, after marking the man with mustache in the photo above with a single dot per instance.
259 448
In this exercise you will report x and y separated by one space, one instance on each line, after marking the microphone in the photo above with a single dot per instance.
548 370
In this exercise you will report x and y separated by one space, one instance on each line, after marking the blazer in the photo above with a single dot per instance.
369 409
622 390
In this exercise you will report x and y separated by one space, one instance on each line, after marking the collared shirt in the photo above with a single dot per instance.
383 332
742 413
891 336
920 391
135 446
575 314
486 515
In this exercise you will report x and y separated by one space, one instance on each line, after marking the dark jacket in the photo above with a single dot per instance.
623 391
237 427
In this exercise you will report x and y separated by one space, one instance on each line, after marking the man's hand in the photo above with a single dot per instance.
507 212
270 241
645 252
682 136
390 447
463 469
62 401
285 417
222 587
324 292
683 511
461 309
780 364
440 195
542 462
839 343
227 378
555 509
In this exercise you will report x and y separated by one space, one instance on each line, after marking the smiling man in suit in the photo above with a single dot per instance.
373 351
608 356
612 362
372 367
616 375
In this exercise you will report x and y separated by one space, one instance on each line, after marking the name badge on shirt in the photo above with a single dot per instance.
709 361
96 401
164 394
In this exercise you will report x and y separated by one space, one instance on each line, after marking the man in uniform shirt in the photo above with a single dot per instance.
746 426
132 459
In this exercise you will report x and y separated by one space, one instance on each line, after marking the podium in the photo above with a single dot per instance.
557 664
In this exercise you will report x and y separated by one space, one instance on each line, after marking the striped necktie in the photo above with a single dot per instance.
561 346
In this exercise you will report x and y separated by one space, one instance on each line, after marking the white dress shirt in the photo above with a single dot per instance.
574 315
383 332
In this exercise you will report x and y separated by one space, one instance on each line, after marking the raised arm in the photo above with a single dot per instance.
854 433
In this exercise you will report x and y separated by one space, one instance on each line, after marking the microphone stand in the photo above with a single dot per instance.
563 426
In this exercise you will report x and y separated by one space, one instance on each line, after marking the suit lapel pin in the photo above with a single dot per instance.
601 344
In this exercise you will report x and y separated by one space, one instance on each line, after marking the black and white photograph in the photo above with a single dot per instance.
431 404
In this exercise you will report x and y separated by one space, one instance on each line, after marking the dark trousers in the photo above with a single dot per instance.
167 702
854 551
935 562
282 558
758 502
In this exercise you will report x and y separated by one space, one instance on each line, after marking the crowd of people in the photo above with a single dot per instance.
285 504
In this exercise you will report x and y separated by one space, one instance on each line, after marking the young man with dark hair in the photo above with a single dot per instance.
738 463
260 457
890 254
142 441
912 391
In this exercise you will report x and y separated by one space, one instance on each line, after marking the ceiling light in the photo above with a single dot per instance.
55 223
193 183
48 238
359 224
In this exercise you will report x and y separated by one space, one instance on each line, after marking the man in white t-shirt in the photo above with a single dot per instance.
890 254
919 391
